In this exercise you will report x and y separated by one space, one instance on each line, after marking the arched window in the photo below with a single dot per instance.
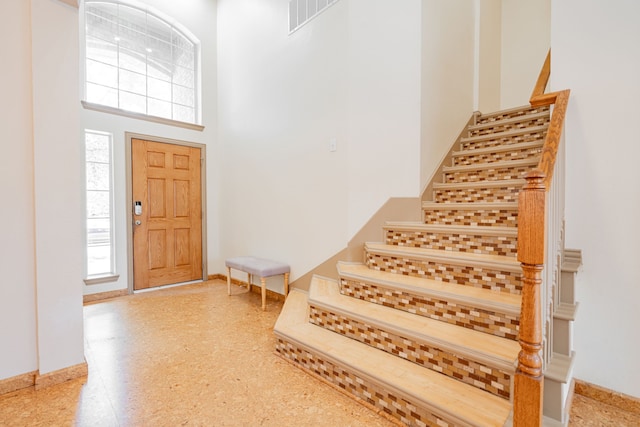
139 62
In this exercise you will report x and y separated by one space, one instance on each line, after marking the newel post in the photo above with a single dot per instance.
528 385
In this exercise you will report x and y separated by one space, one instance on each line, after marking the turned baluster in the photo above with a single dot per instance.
528 384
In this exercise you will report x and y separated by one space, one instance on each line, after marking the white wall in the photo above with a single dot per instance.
525 43
281 98
595 54
448 30
17 238
351 74
199 18
384 105
58 173
489 45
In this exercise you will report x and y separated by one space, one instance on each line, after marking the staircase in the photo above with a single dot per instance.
425 330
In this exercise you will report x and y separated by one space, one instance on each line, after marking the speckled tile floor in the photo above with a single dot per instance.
192 355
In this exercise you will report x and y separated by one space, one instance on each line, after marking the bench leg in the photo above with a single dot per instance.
249 281
263 283
228 280
286 285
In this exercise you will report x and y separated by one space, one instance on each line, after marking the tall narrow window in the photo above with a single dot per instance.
139 62
99 185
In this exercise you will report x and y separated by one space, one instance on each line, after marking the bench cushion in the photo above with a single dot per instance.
258 266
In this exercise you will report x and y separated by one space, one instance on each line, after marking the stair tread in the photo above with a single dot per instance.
504 134
453 229
498 148
523 108
501 302
493 165
460 258
451 398
480 184
490 349
517 119
470 205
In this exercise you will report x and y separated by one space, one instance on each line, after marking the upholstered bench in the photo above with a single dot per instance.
262 268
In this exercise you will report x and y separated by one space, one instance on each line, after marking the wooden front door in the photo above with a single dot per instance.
167 234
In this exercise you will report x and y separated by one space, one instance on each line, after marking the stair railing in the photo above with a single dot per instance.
540 216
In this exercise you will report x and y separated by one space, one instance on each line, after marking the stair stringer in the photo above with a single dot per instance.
558 375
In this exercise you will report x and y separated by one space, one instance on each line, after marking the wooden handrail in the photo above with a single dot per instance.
554 135
560 100
543 79
529 380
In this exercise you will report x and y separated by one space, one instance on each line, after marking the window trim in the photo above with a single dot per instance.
106 278
197 124
140 116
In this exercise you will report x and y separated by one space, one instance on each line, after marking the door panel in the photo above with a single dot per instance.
181 198
182 246
168 242
156 198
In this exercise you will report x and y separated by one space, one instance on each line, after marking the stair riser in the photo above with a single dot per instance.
499 156
487 321
463 369
505 127
510 115
493 174
394 405
456 242
501 141
479 277
491 218
508 193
